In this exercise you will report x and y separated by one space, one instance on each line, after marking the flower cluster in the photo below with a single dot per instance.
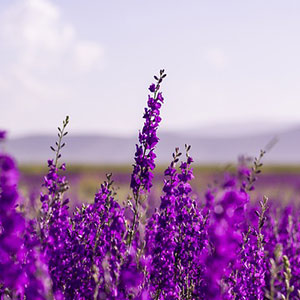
98 233
223 246
19 255
144 157
141 178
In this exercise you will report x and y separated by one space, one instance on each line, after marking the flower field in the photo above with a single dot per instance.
177 233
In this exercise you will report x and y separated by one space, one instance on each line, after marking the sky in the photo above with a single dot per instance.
228 62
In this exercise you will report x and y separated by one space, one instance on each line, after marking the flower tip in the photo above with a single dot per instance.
152 88
63 167
50 162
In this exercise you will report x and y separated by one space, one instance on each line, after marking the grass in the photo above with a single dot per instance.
206 169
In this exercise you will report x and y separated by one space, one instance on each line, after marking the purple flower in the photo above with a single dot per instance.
141 178
152 88
223 247
175 238
17 264
2 135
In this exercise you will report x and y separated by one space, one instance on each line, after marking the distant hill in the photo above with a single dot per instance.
100 149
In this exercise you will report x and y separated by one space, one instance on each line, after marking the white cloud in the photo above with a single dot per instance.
41 38
37 46
216 57
87 55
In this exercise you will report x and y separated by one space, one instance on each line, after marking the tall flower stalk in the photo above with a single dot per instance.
141 178
175 237
54 219
160 238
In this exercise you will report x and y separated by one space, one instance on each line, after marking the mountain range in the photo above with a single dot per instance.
105 149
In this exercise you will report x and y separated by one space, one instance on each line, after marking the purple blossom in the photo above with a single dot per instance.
2 135
176 238
141 178
18 264
223 246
